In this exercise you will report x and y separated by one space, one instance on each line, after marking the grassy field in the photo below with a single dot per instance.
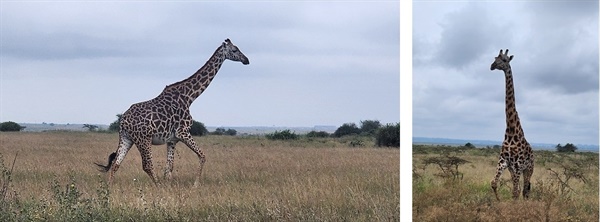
564 186
244 179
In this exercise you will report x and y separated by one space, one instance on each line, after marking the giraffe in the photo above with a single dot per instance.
516 153
166 118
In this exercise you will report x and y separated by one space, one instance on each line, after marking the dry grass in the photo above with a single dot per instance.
471 198
244 179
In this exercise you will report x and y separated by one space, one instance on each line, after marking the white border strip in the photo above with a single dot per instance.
406 110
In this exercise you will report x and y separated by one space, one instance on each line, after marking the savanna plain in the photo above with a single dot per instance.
51 176
453 184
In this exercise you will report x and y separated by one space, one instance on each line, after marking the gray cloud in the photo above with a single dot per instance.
555 69
466 34
309 60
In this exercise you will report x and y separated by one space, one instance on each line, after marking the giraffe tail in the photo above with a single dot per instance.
103 168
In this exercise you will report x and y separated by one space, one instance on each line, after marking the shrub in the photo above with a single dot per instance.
222 131
10 126
469 146
389 135
369 127
569 147
219 131
315 134
448 165
356 142
91 128
114 126
346 129
198 129
282 135
231 132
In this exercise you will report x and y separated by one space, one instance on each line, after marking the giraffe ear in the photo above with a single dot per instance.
227 41
510 58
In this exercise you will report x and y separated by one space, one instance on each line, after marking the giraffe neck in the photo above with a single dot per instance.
513 124
186 91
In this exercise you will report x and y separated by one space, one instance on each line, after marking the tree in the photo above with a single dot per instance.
315 134
369 127
219 131
346 129
90 127
10 126
282 135
198 129
222 131
470 146
389 135
569 147
114 126
231 132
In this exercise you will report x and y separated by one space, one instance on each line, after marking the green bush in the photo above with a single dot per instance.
389 135
369 127
222 131
198 129
10 126
569 147
315 134
347 129
469 146
90 127
282 135
114 126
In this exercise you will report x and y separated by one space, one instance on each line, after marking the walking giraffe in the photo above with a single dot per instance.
516 153
167 119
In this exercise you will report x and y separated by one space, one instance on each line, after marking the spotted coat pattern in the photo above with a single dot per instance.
516 153
166 119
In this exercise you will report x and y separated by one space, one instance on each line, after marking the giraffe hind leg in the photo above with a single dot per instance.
147 161
170 160
124 145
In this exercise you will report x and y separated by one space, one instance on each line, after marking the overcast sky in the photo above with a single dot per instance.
555 69
311 63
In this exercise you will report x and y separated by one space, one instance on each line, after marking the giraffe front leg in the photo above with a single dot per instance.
516 188
170 160
527 182
501 166
187 139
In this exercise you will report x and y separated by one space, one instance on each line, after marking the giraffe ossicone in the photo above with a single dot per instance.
166 118
516 153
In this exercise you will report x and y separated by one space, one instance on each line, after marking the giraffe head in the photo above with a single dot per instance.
502 61
232 52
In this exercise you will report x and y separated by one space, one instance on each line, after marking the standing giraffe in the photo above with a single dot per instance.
167 119
516 153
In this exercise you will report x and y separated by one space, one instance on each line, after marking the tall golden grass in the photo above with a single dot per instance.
244 179
471 198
